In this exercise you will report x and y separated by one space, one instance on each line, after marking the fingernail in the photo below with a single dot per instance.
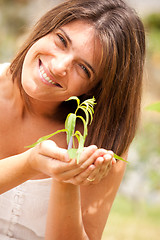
67 158
108 156
113 161
101 160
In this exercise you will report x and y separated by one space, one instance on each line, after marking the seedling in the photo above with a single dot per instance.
70 123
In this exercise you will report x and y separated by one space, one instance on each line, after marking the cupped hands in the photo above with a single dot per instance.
94 164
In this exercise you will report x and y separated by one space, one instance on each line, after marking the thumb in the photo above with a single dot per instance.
50 149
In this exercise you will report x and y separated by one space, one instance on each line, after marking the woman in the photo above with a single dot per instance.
79 48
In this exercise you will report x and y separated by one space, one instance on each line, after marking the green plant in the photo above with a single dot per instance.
152 21
154 107
70 123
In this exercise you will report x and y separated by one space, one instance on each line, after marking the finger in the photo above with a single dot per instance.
104 170
108 156
76 169
63 170
110 152
49 166
88 157
66 171
93 178
72 170
92 159
50 149
114 161
103 165
57 169
92 175
86 154
81 178
108 159
99 161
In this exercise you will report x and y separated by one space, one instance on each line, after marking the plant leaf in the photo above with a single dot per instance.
119 158
77 135
91 111
85 125
75 153
70 125
89 103
74 98
84 108
72 152
80 147
87 106
45 138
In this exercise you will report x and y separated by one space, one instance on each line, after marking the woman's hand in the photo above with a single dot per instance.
94 173
103 165
49 159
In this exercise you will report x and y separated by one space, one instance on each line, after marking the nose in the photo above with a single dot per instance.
61 64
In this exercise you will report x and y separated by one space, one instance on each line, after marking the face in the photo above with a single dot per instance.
62 64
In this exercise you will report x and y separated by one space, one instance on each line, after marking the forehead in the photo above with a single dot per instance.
81 28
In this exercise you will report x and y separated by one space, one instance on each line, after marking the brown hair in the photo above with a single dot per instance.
118 91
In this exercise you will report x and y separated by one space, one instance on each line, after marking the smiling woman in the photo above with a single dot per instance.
58 61
79 48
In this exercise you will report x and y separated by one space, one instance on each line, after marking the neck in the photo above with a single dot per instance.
43 109
40 109
25 105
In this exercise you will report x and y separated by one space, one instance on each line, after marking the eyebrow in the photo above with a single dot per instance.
70 41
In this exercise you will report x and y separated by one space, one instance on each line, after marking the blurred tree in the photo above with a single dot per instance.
152 21
12 25
16 16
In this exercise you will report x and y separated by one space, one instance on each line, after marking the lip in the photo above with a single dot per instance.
46 77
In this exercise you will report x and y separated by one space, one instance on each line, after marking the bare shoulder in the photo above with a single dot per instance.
3 70
97 200
6 93
3 67
5 81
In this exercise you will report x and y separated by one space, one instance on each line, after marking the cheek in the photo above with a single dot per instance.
33 52
79 87
26 84
27 78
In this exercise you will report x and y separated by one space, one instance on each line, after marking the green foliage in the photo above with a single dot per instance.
70 128
140 219
152 21
70 124
152 27
45 138
146 144
154 176
154 107
13 24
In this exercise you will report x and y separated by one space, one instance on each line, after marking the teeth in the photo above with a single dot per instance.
44 75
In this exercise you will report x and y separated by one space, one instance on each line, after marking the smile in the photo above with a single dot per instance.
45 77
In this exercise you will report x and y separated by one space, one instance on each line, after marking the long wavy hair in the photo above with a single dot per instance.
118 90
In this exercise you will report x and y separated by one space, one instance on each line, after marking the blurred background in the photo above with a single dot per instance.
135 214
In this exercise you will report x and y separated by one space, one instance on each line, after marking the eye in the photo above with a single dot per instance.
62 39
87 72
